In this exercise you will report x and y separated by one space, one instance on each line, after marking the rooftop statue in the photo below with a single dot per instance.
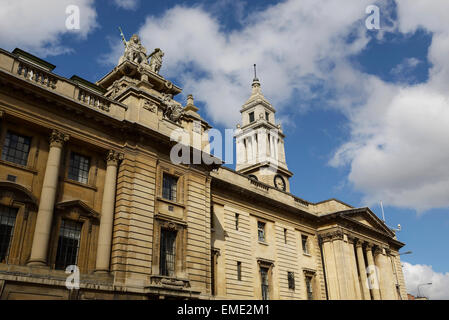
156 60
137 53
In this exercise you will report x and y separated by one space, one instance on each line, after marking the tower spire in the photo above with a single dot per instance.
256 83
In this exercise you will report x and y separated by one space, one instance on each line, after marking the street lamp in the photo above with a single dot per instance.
423 284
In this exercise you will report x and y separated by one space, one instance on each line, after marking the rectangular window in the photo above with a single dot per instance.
239 271
167 254
251 117
212 217
285 236
169 187
237 221
309 288
16 148
7 223
261 231
79 168
68 244
267 116
264 283
291 280
305 247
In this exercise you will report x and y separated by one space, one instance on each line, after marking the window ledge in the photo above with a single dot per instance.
263 242
307 254
170 202
18 166
80 184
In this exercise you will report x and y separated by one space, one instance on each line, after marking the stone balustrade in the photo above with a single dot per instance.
93 100
37 75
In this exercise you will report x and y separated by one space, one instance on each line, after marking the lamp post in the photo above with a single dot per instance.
420 285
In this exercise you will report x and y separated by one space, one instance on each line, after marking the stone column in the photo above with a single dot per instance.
44 219
362 271
373 278
353 269
107 213
330 266
342 266
387 288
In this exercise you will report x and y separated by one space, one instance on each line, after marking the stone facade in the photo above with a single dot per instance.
236 234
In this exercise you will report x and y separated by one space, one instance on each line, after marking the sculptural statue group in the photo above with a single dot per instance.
137 53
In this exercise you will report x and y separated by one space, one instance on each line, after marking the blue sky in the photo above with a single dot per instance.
364 111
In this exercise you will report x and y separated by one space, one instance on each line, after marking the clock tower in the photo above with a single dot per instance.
260 142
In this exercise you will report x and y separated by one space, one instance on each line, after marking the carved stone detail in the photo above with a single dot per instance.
150 106
58 138
113 157
331 236
173 111
171 282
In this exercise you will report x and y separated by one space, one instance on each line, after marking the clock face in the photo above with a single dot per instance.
279 182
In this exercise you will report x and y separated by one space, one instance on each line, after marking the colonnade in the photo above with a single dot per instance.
357 269
40 245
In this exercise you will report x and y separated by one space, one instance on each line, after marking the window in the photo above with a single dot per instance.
237 221
169 187
264 283
261 231
16 148
305 247
239 271
212 217
267 116
167 256
68 244
309 288
7 222
285 236
79 168
251 117
291 280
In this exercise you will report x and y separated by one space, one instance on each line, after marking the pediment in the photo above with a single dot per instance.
366 217
79 206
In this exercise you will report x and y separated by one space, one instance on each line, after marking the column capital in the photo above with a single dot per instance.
351 239
57 138
369 246
113 158
358 243
377 250
333 235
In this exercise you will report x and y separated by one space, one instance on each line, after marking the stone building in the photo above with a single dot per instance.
87 179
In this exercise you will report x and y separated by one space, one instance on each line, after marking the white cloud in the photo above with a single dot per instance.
37 26
398 148
397 151
407 65
418 274
294 43
127 4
